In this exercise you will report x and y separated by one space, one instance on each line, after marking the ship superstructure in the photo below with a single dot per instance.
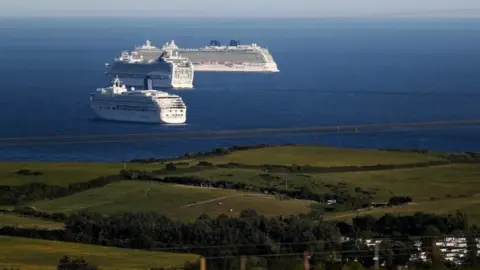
215 57
118 103
172 71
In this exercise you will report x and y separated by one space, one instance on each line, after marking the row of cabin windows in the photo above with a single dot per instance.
258 58
127 109
174 115
134 109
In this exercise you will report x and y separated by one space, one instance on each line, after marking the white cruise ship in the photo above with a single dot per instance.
173 72
215 57
118 103
233 57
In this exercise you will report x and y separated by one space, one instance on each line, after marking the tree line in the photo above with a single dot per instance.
14 195
460 157
272 168
221 151
332 169
256 236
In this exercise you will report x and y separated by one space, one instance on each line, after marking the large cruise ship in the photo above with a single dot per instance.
147 106
215 57
172 71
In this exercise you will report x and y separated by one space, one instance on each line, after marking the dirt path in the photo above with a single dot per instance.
211 200
220 198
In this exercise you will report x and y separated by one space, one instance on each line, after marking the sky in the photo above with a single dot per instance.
242 8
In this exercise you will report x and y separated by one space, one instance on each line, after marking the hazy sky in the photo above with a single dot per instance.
242 8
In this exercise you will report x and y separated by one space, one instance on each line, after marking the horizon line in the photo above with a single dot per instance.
421 14
110 16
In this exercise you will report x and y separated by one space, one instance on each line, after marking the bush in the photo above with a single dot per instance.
28 172
170 167
78 264
205 163
397 200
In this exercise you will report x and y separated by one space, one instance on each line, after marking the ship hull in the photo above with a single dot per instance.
138 81
138 117
156 83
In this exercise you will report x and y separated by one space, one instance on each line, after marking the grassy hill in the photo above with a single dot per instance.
419 183
60 173
468 205
32 254
177 201
321 156
436 188
27 222
423 184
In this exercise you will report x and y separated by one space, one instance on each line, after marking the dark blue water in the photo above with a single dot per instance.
333 72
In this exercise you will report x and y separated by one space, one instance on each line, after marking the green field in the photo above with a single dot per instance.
246 176
419 183
422 184
172 200
468 205
27 222
30 254
321 156
61 173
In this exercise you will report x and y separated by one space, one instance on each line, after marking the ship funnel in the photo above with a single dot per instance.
215 43
147 83
234 43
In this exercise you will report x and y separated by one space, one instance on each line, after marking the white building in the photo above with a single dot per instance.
453 249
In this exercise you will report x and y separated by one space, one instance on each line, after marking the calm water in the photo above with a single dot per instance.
333 72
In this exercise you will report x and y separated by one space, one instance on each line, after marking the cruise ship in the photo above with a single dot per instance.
118 103
214 57
173 71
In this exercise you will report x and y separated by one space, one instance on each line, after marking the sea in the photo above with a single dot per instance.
332 72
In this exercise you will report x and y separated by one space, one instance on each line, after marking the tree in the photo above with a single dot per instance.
248 213
437 258
362 224
355 250
170 167
434 254
143 242
64 263
395 253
